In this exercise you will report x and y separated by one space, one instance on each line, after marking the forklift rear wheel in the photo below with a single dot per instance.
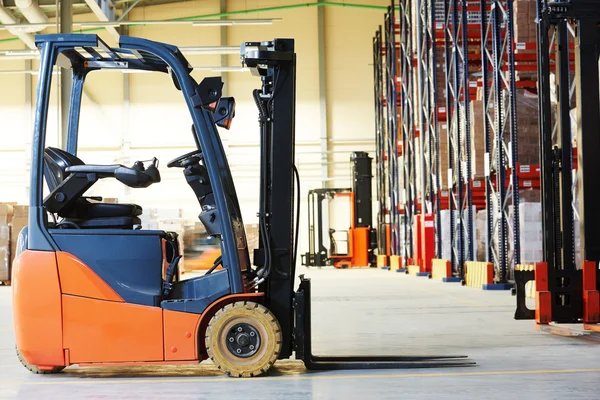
35 369
243 339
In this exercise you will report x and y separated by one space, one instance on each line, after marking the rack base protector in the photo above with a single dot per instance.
497 286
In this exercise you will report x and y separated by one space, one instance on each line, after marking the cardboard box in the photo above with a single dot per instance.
20 211
18 223
4 235
6 213
4 265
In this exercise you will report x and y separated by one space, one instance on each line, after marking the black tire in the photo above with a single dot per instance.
35 369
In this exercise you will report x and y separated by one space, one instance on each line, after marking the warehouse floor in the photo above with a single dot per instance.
363 312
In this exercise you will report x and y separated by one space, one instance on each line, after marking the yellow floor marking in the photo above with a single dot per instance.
301 377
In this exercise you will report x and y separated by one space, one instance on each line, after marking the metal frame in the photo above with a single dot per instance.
391 59
459 134
406 86
380 142
428 111
500 124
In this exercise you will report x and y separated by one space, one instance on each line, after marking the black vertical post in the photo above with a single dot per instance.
276 63
514 148
588 140
565 209
546 156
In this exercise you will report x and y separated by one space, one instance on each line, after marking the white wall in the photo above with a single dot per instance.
155 121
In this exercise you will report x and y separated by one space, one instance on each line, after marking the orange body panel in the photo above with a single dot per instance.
543 298
543 307
108 331
78 279
181 335
360 247
137 363
37 308
541 277
591 296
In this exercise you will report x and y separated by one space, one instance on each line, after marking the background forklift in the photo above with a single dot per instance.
349 248
88 284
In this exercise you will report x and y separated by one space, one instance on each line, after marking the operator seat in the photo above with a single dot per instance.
85 214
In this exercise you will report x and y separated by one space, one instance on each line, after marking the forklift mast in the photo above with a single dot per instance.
567 288
275 63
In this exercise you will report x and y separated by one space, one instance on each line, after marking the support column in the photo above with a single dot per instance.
324 133
588 141
66 76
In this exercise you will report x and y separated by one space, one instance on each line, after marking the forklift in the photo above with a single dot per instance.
93 289
355 247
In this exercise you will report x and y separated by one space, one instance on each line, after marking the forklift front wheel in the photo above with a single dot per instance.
243 339
37 370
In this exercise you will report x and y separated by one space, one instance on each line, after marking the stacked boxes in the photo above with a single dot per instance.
478 138
6 214
446 244
13 218
525 28
19 221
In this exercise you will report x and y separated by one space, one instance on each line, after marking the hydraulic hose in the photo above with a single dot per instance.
264 272
297 228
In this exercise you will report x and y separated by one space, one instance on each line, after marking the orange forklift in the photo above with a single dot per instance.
349 248
90 287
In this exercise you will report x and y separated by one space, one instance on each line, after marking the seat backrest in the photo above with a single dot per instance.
56 162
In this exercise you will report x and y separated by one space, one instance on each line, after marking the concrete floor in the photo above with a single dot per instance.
361 312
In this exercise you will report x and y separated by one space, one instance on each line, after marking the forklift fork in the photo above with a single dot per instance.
303 346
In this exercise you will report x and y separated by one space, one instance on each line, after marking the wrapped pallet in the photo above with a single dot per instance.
530 224
19 221
6 212
481 235
528 127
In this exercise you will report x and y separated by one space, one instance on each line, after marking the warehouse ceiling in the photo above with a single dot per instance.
80 6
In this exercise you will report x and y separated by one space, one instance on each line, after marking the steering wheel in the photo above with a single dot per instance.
180 162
